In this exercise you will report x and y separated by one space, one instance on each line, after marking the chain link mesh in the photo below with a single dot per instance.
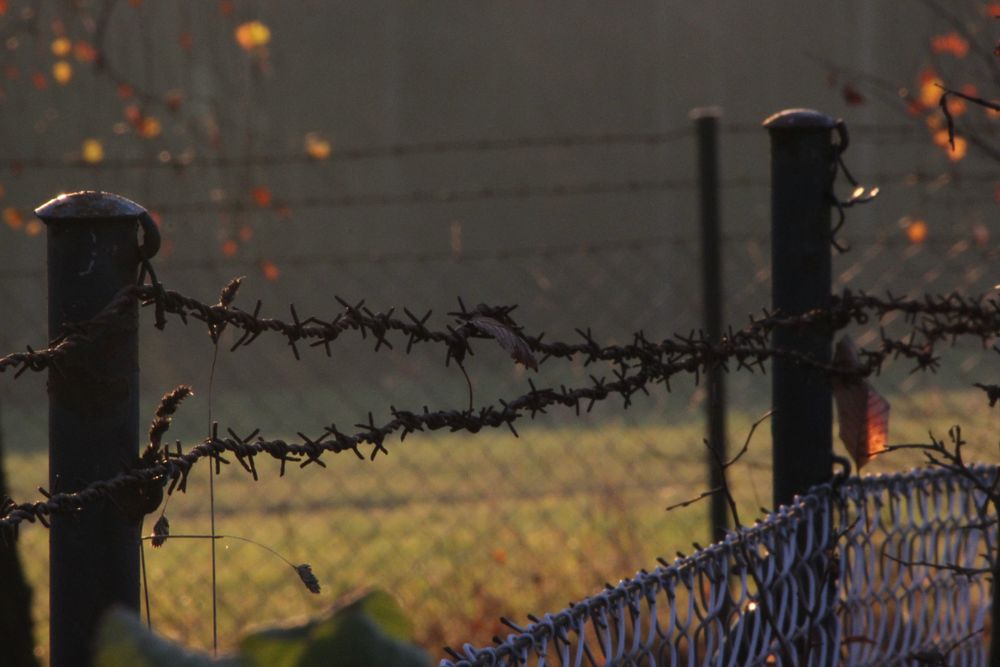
877 571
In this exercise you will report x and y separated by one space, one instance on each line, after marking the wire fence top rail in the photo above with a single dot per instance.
844 581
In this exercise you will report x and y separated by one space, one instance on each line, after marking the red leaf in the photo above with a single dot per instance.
852 96
863 413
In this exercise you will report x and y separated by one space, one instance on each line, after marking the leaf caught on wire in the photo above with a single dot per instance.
509 339
862 413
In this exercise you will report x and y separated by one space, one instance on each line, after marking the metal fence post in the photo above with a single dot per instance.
706 121
93 416
803 160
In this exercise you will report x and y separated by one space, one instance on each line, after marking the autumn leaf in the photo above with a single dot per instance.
959 150
229 248
950 43
150 127
84 52
62 72
92 151
507 338
862 413
252 35
270 270
61 47
317 147
915 228
261 196
852 96
13 218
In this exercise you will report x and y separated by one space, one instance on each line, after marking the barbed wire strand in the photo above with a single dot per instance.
638 365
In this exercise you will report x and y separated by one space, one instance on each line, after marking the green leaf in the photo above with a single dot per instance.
123 641
369 631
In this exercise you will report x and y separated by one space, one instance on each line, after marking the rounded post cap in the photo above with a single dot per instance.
89 205
800 119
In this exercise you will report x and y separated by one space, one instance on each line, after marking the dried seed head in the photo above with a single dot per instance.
161 529
308 578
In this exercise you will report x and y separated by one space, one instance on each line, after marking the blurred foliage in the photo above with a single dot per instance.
371 630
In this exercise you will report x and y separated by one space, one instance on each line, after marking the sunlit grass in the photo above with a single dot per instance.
461 528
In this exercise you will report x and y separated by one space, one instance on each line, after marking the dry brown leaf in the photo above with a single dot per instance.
508 339
863 413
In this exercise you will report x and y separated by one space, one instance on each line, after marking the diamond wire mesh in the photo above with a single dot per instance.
860 574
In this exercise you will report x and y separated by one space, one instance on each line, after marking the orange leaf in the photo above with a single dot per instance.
84 52
133 115
916 231
61 46
13 218
3 7
951 43
33 228
252 35
150 127
246 233
227 7
862 413
270 270
930 91
993 10
39 81
62 72
261 196
229 248
125 91
959 151
317 147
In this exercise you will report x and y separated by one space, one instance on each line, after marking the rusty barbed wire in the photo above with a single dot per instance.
638 366
171 468
934 319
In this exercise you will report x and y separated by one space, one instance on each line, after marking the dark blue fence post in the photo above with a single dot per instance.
803 160
93 416
706 122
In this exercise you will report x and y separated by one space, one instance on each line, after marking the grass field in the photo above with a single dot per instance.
463 529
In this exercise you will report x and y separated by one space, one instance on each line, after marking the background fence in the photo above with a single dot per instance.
465 530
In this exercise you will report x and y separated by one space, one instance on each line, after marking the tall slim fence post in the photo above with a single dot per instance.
706 121
803 160
93 416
